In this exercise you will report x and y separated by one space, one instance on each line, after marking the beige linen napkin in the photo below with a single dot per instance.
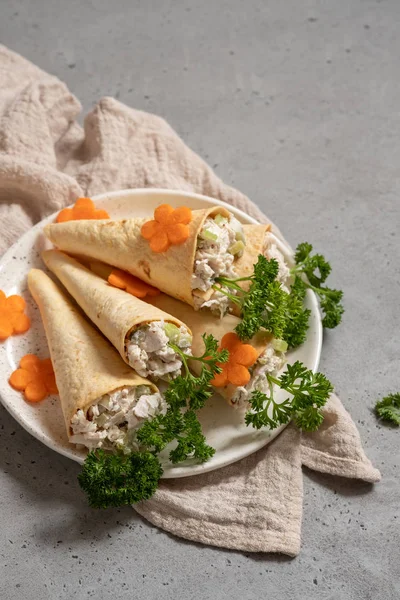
46 161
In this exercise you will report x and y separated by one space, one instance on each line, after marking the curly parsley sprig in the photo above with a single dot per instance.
388 409
316 271
308 393
266 305
117 479
297 317
263 305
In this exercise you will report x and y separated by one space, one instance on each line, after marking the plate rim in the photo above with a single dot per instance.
171 471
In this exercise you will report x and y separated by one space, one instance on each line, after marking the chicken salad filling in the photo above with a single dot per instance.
149 352
270 361
220 241
274 248
112 421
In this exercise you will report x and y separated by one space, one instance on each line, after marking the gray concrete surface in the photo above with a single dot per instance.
297 104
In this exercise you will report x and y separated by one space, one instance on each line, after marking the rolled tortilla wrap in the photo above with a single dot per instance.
204 322
121 244
87 368
135 329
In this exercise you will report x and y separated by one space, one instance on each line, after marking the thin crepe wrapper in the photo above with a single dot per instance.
116 313
121 244
86 366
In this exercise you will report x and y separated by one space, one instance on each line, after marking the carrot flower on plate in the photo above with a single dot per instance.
35 377
84 208
13 319
241 357
168 228
131 284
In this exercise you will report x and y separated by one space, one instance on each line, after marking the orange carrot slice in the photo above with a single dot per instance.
83 208
101 214
15 303
30 362
238 374
150 229
245 355
35 378
162 212
160 243
65 215
46 366
116 279
84 204
182 214
20 378
220 379
6 327
229 341
21 323
35 391
178 233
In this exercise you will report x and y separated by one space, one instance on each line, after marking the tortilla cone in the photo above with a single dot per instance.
204 322
112 310
255 242
86 366
120 244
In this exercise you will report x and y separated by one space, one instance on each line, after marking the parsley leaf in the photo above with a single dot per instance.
297 317
265 412
263 305
192 443
309 392
388 408
316 271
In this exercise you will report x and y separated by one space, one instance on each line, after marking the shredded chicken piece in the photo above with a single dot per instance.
213 260
273 249
149 352
111 422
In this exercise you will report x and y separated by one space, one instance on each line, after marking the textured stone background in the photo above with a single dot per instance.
296 104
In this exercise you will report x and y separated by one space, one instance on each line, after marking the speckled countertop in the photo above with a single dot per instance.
296 104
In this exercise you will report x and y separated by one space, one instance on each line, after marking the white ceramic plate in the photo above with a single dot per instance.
223 426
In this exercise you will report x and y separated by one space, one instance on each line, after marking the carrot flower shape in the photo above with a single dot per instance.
168 228
35 377
131 284
13 320
83 208
241 357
